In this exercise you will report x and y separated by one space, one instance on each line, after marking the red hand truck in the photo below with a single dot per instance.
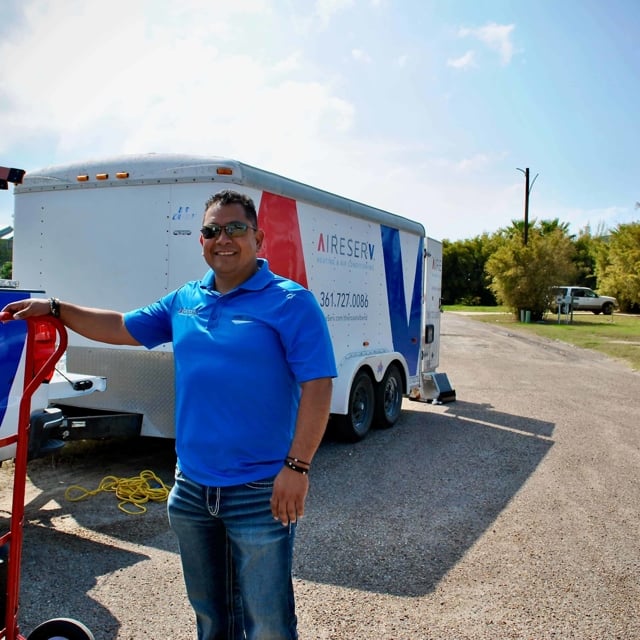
11 541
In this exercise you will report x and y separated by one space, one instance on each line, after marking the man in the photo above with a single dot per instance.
253 364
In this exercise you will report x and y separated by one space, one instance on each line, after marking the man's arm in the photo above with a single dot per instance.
290 487
96 324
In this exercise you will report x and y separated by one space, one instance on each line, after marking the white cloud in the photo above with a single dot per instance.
496 36
326 9
473 163
292 62
361 56
463 62
599 220
145 84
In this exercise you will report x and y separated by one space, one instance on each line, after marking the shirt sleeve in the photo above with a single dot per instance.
305 337
151 325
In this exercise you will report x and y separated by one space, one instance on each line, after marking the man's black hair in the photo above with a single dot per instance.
233 197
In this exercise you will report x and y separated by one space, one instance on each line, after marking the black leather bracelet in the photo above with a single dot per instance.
298 461
294 467
54 307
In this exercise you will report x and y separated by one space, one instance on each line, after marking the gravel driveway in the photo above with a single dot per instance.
512 513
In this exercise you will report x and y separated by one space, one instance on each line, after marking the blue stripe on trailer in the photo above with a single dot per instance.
12 338
406 335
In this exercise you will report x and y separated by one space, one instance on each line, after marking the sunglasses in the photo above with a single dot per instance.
232 229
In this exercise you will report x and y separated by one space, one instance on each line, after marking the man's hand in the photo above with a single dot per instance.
101 325
22 309
289 494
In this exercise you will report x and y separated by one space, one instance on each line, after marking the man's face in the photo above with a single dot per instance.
232 259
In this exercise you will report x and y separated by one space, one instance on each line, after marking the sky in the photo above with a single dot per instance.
431 109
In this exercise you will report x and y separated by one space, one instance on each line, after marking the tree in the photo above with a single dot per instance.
549 226
464 280
587 247
522 275
515 230
6 250
618 266
544 227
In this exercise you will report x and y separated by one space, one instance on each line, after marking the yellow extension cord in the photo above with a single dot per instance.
132 492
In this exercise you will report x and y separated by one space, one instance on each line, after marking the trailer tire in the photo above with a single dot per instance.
389 398
61 629
357 423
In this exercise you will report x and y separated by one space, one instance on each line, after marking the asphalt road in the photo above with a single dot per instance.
512 513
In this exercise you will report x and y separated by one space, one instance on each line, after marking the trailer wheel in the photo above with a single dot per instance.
61 629
388 398
356 424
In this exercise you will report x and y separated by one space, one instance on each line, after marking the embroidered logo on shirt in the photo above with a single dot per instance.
188 312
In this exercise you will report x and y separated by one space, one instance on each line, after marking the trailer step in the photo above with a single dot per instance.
437 388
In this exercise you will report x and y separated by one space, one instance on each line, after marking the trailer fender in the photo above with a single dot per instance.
376 366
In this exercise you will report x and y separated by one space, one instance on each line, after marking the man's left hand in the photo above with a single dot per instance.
289 494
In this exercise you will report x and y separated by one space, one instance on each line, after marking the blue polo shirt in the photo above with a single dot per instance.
239 360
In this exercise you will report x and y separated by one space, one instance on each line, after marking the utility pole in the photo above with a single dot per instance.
527 191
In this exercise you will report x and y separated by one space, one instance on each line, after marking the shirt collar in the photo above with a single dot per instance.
257 281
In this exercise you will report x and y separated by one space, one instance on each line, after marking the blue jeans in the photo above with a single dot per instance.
236 560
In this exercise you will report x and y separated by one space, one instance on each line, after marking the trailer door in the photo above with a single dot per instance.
432 302
98 246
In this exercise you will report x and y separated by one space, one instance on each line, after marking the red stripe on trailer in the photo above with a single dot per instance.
282 246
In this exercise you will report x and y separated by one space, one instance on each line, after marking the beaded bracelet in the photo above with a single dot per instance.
54 307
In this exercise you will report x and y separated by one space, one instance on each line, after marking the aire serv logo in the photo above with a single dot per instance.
345 247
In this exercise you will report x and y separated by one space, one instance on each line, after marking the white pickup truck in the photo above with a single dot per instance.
569 298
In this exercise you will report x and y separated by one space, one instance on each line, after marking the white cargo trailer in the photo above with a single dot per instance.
121 232
17 371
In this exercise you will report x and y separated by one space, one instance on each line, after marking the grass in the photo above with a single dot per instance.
474 309
617 336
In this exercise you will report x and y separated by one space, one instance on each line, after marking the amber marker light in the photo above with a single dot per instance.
122 175
224 171
102 176
82 178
